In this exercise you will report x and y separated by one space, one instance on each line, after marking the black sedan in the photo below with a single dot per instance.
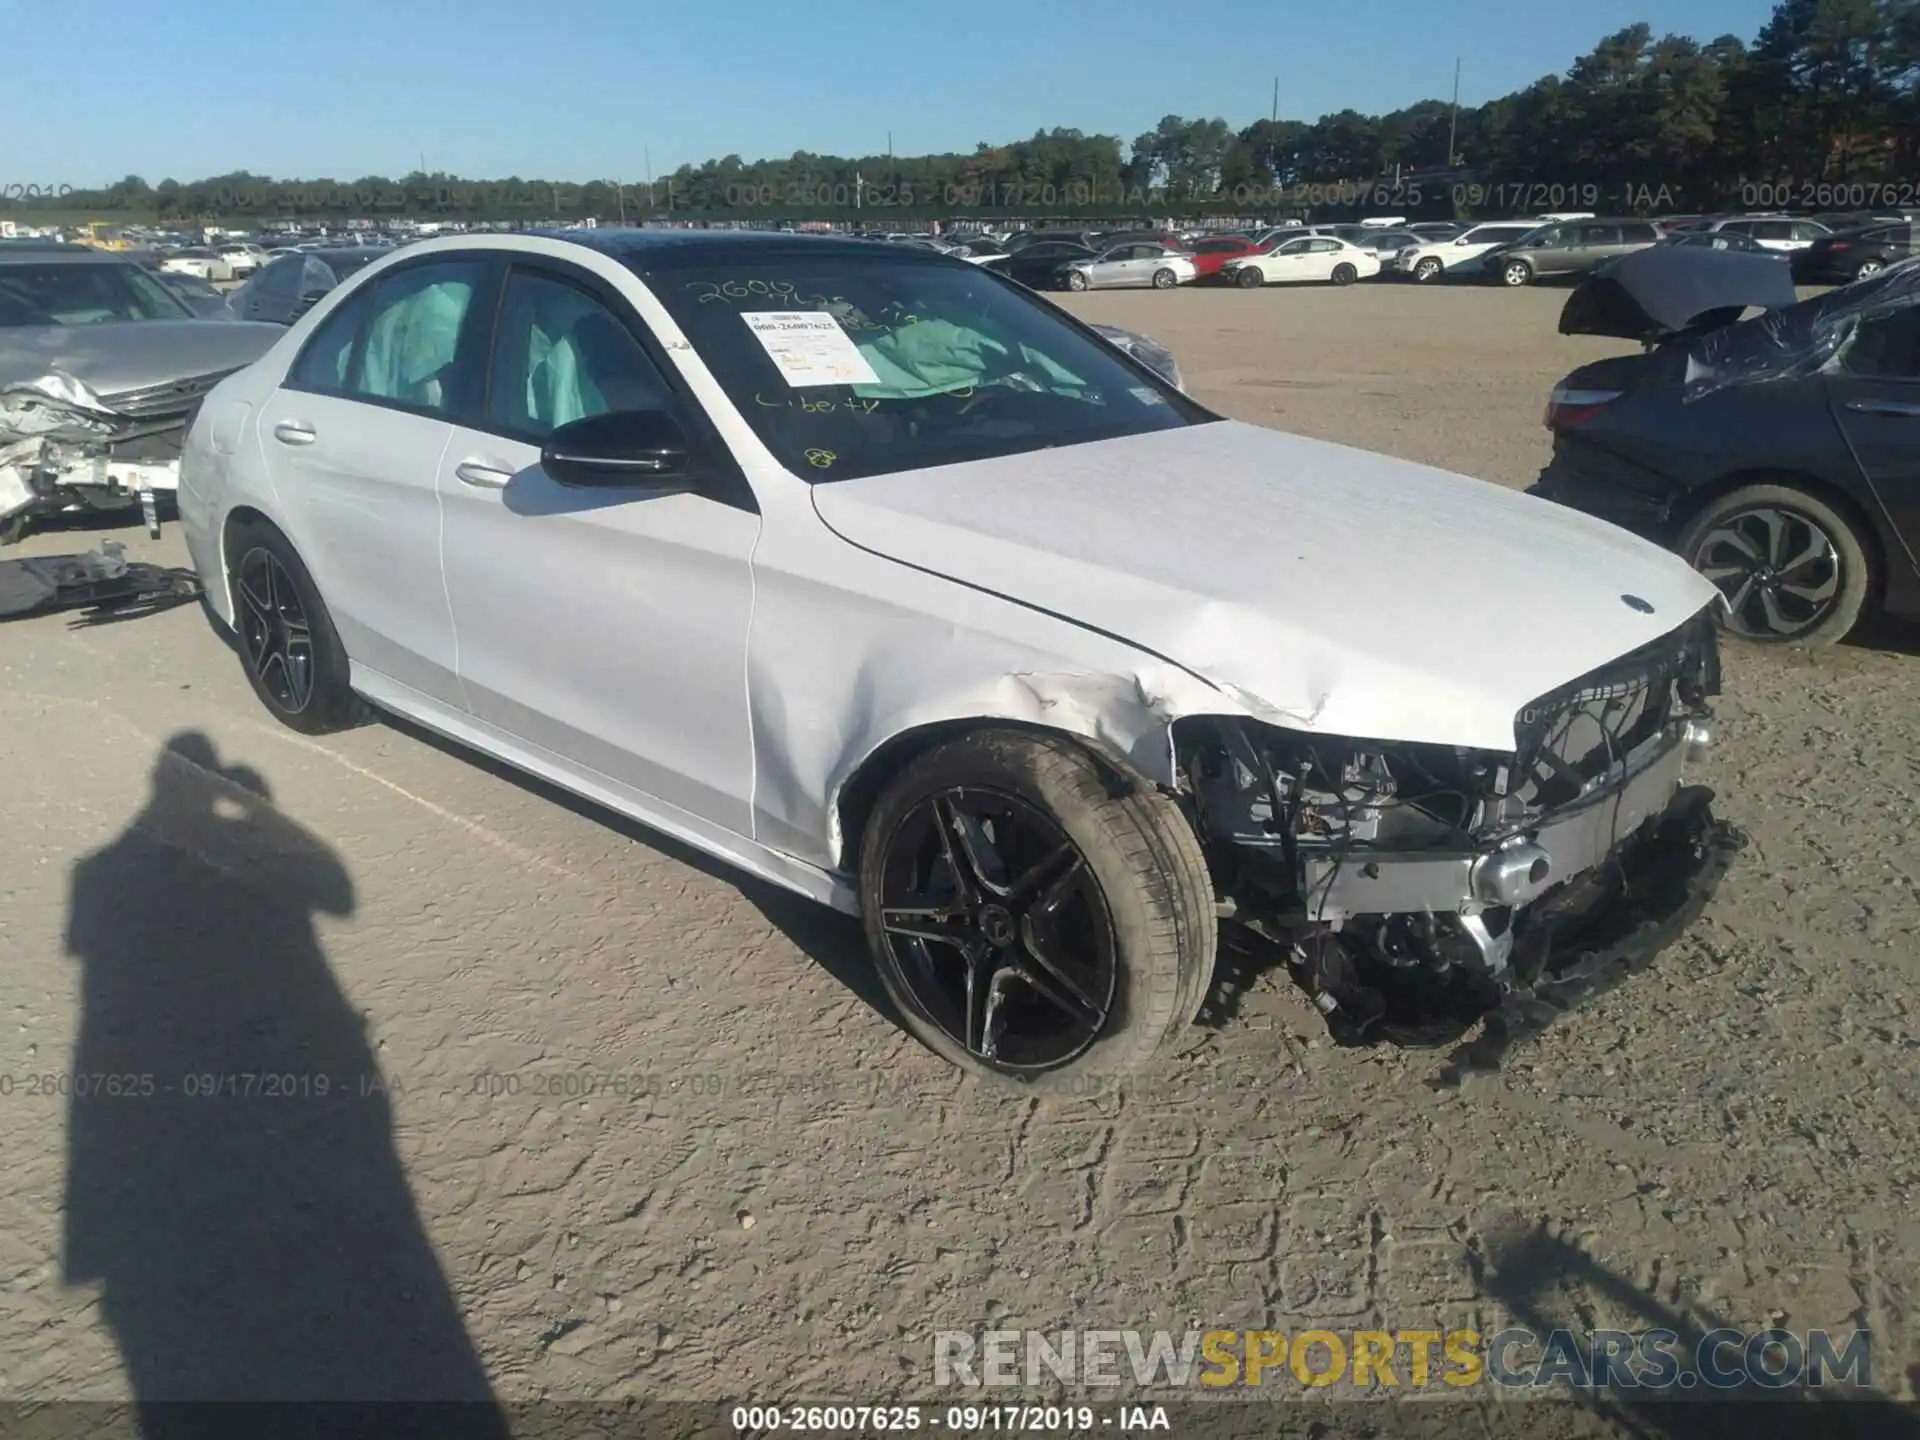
1040 266
285 289
1852 254
1780 455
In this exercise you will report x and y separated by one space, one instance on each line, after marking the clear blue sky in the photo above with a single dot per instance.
574 89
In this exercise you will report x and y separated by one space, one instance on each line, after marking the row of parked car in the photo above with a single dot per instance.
1515 252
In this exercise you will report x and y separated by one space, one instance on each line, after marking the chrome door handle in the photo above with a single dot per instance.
292 432
482 476
1908 408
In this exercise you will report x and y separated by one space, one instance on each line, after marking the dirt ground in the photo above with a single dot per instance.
768 1192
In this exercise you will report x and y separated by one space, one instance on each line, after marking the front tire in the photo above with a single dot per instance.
1427 270
1345 274
1794 570
1248 278
1034 921
292 654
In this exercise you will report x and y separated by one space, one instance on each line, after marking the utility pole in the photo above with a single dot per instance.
1453 125
620 196
647 151
1273 141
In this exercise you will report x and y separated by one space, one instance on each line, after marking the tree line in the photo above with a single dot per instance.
1820 111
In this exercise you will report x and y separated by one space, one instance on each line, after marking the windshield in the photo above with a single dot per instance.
848 367
88 294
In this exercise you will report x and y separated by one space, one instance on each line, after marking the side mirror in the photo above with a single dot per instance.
627 447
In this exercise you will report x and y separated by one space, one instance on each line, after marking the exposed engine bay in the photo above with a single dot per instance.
64 449
1416 887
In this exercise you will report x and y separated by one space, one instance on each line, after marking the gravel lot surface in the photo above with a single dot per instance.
603 1121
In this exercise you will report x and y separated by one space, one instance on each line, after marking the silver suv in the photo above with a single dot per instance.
1773 232
1572 247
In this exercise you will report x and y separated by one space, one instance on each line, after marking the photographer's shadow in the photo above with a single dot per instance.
232 1182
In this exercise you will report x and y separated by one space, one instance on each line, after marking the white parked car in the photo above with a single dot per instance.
242 259
888 582
1308 259
1460 255
1780 233
198 260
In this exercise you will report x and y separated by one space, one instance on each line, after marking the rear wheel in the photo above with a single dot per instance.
1034 922
1165 279
1427 269
292 655
1076 280
1248 278
1868 267
1793 569
1515 272
1345 274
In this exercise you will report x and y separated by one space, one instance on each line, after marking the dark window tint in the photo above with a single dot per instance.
1807 230
1738 227
325 365
1887 346
1598 235
413 336
559 356
1888 235
1639 234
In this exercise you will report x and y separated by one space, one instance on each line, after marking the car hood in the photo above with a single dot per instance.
1320 587
113 358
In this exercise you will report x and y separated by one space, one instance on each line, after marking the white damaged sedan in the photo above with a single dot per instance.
886 581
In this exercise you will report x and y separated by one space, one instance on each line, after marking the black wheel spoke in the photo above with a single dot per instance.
1062 994
923 919
982 862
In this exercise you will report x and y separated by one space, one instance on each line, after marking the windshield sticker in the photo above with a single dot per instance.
1146 395
809 348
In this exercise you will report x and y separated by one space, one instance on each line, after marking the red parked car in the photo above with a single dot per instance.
1210 255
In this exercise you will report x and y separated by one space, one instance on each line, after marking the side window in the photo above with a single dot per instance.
1323 247
560 355
1805 230
1639 234
326 364
1773 229
1887 347
1738 227
413 336
1598 235
1296 247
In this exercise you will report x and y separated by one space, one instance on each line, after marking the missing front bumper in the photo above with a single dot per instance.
1572 843
1578 945
1574 943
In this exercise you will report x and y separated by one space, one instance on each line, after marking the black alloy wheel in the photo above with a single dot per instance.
275 631
998 929
1792 566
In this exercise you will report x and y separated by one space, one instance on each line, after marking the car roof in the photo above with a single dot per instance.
29 255
694 246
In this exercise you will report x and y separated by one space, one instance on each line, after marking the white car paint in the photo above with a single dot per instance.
242 259
207 267
1462 253
720 675
1305 260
